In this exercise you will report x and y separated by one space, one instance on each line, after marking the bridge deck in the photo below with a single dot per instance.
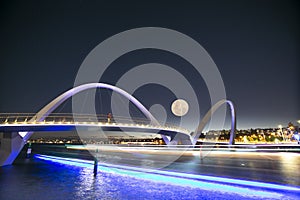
89 127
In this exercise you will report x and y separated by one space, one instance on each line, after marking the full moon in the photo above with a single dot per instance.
180 107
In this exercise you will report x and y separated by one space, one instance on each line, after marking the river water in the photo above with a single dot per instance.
39 179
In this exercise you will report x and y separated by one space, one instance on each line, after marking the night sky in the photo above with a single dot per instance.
255 45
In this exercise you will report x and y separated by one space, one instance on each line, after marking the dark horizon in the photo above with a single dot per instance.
255 45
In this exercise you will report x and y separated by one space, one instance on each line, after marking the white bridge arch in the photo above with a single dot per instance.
50 107
17 140
207 117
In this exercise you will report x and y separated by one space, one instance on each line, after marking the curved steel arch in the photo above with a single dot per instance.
44 112
207 117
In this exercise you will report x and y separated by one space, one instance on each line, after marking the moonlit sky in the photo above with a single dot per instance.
255 45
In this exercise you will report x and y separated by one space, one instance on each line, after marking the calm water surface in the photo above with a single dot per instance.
37 179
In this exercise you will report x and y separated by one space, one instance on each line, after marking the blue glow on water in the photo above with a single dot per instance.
208 183
212 178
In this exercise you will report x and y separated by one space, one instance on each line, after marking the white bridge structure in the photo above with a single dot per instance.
16 129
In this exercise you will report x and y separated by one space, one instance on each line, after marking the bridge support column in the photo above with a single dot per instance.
10 147
95 166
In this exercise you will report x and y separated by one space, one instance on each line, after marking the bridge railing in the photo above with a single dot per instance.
67 118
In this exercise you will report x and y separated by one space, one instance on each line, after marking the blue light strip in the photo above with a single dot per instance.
212 178
66 161
183 179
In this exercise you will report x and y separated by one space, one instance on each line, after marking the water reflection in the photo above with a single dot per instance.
289 164
36 179
99 187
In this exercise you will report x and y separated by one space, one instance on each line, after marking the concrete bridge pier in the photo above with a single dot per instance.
10 146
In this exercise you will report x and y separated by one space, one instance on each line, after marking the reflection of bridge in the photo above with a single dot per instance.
18 129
